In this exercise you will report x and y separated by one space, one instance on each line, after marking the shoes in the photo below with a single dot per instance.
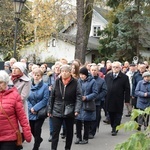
77 141
83 142
128 115
114 133
106 121
63 136
139 128
91 136
50 139
35 148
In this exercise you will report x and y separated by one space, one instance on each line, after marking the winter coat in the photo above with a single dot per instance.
45 78
141 88
118 91
89 89
62 95
136 78
38 98
13 106
23 85
102 90
52 79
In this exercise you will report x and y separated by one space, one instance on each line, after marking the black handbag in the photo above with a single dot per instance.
69 110
89 105
42 113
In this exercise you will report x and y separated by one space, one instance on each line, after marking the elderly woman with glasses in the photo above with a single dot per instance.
11 112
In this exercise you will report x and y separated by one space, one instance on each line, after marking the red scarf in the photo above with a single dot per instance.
66 81
16 76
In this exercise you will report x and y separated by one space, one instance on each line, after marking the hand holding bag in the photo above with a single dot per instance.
42 113
18 133
89 105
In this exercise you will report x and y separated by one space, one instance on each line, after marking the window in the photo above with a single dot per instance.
95 30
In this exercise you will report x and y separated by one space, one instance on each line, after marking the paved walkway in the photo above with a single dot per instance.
102 141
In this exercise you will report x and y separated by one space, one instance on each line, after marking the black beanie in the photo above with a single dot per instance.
84 71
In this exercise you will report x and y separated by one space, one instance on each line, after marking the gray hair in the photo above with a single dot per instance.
4 76
66 67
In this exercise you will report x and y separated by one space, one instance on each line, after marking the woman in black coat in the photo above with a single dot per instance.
65 93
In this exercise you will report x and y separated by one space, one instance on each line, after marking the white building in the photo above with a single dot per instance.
64 45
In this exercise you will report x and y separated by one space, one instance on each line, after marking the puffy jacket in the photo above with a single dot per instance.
141 88
89 89
38 98
71 93
12 104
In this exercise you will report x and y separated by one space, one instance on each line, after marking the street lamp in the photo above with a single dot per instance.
18 5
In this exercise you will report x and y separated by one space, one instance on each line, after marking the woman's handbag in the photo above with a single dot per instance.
89 105
69 110
18 133
42 113
19 138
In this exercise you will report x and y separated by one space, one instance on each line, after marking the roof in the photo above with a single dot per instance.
101 11
93 42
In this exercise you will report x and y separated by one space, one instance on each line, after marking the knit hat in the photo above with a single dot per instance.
84 71
20 65
146 74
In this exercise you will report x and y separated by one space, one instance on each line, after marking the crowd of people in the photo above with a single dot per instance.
74 95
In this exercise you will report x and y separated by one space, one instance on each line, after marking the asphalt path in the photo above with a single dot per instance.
103 139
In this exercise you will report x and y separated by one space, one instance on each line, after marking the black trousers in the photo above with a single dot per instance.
86 129
95 124
10 145
36 129
115 119
57 122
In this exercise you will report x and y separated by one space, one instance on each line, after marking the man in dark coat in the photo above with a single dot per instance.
99 100
118 91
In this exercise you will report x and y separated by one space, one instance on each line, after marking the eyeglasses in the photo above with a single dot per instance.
115 67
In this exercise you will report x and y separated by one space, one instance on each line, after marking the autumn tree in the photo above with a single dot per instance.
6 27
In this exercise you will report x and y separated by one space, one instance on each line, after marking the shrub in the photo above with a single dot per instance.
140 140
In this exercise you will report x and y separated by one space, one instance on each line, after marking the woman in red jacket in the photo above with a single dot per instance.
11 105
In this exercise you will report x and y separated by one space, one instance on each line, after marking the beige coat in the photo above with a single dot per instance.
23 84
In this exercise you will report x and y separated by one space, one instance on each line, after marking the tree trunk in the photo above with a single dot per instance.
84 18
137 44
